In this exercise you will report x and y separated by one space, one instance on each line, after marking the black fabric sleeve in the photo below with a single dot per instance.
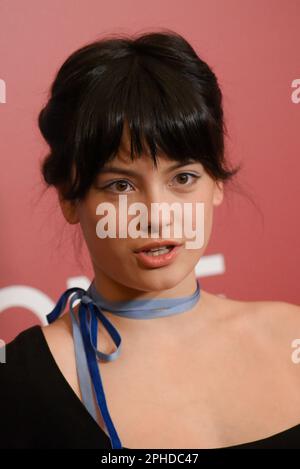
38 408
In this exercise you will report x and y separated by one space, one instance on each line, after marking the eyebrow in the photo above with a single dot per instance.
129 172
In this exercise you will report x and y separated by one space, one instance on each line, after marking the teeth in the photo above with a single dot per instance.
157 252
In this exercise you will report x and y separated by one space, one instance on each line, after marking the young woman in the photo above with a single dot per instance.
142 117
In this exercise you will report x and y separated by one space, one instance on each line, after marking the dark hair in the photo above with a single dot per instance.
156 83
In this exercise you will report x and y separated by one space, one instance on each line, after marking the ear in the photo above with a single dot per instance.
69 209
218 194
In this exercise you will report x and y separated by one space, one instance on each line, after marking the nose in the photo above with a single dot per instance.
159 216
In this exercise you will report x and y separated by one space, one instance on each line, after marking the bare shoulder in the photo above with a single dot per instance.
268 323
276 326
267 313
278 322
270 328
59 338
57 332
275 317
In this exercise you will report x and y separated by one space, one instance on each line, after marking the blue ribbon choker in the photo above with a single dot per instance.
85 333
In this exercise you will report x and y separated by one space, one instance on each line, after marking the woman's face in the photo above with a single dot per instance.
113 258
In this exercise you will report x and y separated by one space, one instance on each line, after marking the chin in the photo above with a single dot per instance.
158 279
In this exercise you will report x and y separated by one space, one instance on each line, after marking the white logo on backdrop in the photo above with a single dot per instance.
295 96
2 351
2 91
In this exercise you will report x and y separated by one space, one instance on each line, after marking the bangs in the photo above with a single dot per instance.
153 91
154 108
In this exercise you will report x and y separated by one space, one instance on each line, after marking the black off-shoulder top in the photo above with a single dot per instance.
40 410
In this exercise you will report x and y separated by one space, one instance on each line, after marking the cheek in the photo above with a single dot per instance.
207 199
108 250
199 215
88 223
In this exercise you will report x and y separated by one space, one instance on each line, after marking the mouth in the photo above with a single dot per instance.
157 246
158 254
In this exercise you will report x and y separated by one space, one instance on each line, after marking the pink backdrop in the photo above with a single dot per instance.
252 45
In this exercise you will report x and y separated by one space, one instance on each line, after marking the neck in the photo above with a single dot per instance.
149 288
173 326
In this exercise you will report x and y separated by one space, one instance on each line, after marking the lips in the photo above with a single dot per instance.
163 259
157 244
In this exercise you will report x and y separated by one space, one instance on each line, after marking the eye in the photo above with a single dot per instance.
183 178
120 184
